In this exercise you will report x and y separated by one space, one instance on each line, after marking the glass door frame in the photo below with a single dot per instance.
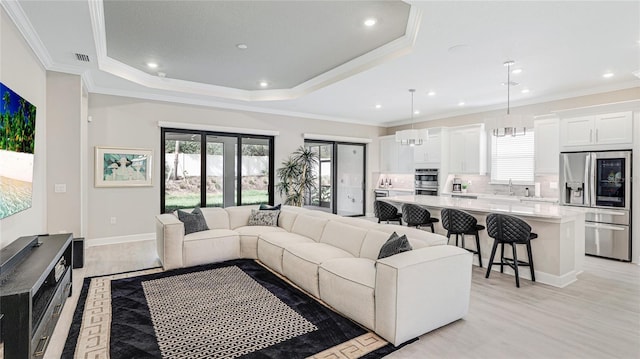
334 172
203 162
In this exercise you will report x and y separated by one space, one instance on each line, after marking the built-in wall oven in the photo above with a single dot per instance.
426 181
600 182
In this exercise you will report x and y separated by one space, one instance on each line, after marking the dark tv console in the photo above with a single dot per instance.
35 281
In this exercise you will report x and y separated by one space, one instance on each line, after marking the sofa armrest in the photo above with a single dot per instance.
169 240
421 290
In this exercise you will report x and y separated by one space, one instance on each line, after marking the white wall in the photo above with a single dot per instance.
21 71
64 95
127 122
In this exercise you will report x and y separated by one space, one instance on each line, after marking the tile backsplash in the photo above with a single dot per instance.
481 184
396 180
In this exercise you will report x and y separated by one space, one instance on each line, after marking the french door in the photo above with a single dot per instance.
209 169
341 178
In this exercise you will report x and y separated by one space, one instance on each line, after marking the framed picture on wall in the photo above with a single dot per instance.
123 167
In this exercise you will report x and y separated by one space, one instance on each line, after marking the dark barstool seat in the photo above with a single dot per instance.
462 223
416 216
385 211
510 230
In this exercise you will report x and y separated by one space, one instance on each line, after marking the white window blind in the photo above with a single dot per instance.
512 158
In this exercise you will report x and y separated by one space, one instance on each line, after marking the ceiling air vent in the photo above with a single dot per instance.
82 57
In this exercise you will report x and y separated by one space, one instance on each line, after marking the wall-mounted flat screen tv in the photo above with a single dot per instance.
17 144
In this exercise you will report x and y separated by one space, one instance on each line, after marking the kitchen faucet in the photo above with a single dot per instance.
511 193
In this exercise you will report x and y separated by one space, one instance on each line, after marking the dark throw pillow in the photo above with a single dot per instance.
264 218
266 207
193 222
394 245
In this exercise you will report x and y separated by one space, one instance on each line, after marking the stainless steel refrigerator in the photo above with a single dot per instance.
600 182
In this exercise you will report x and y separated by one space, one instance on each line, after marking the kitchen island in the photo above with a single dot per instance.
558 252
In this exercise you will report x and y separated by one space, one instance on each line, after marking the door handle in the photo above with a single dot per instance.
604 226
590 135
596 135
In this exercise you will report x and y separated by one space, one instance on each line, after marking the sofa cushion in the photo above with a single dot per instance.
309 226
271 247
239 215
372 243
300 263
214 245
394 245
249 239
287 218
264 217
217 218
343 236
193 222
341 280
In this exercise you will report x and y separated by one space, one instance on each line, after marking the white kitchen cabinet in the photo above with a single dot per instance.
394 157
547 146
468 150
603 129
429 155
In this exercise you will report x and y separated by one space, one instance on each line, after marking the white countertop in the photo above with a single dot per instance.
503 197
516 208
395 189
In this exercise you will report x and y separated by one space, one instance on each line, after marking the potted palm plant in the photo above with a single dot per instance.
296 176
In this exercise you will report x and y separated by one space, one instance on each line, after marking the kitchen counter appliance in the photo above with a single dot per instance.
426 181
601 183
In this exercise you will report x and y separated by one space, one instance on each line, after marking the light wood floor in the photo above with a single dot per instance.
596 317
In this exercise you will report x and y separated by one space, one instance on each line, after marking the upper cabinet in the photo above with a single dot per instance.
597 130
394 157
468 150
429 155
547 146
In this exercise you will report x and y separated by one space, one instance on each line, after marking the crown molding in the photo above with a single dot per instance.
387 52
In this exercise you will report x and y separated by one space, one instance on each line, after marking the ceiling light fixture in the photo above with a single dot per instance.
525 91
370 22
378 106
416 112
516 71
608 75
461 103
509 125
242 46
264 84
431 93
411 137
152 65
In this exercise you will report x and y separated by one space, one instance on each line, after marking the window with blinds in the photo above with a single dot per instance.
512 158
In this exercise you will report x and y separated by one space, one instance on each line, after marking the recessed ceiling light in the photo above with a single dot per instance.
516 71
370 22
525 91
431 93
416 112
378 106
607 75
461 103
264 84
152 65
242 46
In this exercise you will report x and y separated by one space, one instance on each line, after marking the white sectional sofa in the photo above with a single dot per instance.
334 258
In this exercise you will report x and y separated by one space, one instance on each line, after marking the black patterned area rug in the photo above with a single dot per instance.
235 309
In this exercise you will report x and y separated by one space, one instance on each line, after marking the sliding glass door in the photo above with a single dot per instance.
341 178
233 169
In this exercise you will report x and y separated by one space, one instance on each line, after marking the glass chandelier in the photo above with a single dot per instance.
509 125
411 137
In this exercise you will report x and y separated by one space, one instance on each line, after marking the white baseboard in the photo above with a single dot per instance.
92 242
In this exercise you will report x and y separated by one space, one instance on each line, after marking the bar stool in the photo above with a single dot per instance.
416 216
505 229
460 223
385 211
